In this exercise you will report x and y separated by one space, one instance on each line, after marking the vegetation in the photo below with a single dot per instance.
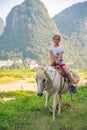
1 26
27 112
72 19
7 76
71 23
28 32
83 73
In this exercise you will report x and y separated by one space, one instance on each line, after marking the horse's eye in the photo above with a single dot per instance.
44 80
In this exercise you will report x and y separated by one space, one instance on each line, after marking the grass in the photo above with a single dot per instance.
27 112
32 81
83 73
7 76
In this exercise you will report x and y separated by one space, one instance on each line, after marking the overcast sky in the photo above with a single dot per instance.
53 6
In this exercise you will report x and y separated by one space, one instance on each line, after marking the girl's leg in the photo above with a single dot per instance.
66 70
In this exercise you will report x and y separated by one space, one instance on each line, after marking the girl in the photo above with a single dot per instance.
56 56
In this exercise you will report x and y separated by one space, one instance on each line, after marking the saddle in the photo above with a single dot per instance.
61 71
62 74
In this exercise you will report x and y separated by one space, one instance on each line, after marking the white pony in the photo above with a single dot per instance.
50 80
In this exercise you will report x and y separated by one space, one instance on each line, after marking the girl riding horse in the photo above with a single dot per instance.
56 56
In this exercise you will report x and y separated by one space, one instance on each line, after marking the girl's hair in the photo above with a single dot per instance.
57 36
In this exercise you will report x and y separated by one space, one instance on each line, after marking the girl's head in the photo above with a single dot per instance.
56 39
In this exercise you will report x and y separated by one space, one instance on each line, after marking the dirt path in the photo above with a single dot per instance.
25 85
19 85
82 82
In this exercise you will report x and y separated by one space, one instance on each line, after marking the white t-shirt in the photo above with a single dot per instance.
56 51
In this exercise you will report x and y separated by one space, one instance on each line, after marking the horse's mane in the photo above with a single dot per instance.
40 68
40 72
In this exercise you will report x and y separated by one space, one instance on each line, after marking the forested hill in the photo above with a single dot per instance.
72 24
28 32
73 19
1 26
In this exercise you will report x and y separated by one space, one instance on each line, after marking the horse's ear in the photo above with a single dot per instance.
45 72
39 68
45 69
36 69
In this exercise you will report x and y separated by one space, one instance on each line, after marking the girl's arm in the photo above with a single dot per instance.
59 58
51 56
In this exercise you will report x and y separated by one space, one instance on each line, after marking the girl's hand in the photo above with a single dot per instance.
53 61
57 61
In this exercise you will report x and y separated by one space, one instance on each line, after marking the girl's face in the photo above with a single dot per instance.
56 41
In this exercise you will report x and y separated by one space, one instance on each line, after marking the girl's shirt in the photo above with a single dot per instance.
56 51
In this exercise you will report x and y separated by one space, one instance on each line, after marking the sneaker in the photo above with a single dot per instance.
73 89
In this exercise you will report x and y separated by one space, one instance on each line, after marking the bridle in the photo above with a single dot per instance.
53 76
61 86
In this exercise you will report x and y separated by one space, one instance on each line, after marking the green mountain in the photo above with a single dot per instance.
73 19
72 24
1 26
28 32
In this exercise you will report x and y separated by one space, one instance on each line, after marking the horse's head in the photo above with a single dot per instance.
41 80
44 76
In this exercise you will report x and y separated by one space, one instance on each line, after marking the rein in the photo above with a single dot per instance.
61 86
54 76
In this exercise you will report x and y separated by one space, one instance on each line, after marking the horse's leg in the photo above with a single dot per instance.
60 103
47 100
71 100
54 105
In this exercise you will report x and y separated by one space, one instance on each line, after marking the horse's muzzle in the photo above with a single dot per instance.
40 94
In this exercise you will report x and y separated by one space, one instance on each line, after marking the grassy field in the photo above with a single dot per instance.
7 76
27 112
83 73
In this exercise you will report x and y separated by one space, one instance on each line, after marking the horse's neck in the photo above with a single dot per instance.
51 83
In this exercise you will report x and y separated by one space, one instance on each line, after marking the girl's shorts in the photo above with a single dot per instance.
62 65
